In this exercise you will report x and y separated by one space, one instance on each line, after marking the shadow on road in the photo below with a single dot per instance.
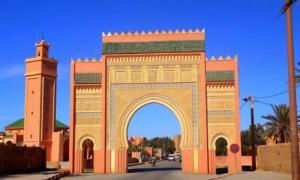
153 169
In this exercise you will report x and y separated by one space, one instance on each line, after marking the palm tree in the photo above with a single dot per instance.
278 125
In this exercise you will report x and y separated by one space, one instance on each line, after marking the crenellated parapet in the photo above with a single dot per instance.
153 42
143 33
221 71
222 58
86 60
88 72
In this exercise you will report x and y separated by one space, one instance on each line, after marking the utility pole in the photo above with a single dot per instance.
252 129
292 96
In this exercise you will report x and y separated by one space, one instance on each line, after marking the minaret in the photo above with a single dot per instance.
40 98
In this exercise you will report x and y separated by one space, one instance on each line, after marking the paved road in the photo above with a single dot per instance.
165 170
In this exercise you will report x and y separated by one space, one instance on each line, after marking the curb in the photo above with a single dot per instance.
61 174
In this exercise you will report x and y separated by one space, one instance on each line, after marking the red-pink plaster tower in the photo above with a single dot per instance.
40 98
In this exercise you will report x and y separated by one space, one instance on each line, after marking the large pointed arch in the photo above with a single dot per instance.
153 98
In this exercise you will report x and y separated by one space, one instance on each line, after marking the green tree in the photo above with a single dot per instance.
166 143
278 124
246 138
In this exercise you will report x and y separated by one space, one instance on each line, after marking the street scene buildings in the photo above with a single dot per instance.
180 70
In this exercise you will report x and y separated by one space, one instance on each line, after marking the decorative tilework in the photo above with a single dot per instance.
88 78
152 47
216 76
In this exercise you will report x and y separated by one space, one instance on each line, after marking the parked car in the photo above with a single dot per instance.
171 157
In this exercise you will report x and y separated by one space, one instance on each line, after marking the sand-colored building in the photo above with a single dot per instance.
14 132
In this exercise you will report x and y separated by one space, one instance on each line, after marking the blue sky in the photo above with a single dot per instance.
251 29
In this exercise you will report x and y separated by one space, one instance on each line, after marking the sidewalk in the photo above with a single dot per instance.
37 175
31 176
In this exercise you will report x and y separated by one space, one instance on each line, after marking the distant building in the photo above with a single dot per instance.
158 152
177 139
14 132
136 140
148 150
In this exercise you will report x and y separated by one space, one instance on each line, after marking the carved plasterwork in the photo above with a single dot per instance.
153 59
117 90
220 104
88 113
221 113
153 73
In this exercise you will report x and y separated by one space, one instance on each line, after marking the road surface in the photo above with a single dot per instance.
165 170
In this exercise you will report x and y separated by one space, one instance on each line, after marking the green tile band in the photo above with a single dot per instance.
215 76
152 47
88 78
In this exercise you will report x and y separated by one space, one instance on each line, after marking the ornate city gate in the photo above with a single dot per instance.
169 68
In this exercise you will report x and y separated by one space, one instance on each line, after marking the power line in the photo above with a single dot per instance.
261 102
274 95
241 107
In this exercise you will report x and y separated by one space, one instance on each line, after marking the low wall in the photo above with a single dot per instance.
274 157
222 161
16 159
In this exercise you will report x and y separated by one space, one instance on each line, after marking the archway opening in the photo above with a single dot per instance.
221 153
66 150
88 155
9 142
154 133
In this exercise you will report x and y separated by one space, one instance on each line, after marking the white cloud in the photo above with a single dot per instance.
12 71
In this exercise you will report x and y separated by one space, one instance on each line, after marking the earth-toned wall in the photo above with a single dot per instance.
16 159
274 157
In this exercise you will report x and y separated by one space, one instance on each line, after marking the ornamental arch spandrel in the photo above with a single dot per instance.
141 68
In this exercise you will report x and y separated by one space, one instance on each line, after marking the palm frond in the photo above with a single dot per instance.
278 124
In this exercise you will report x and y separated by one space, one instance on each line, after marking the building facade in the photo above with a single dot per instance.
135 69
14 132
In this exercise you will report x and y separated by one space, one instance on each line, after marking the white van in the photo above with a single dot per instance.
171 157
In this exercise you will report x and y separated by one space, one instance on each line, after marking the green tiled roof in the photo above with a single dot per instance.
152 47
88 78
59 124
215 76
19 124
16 124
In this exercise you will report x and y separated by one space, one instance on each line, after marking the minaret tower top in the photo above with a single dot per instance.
42 49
